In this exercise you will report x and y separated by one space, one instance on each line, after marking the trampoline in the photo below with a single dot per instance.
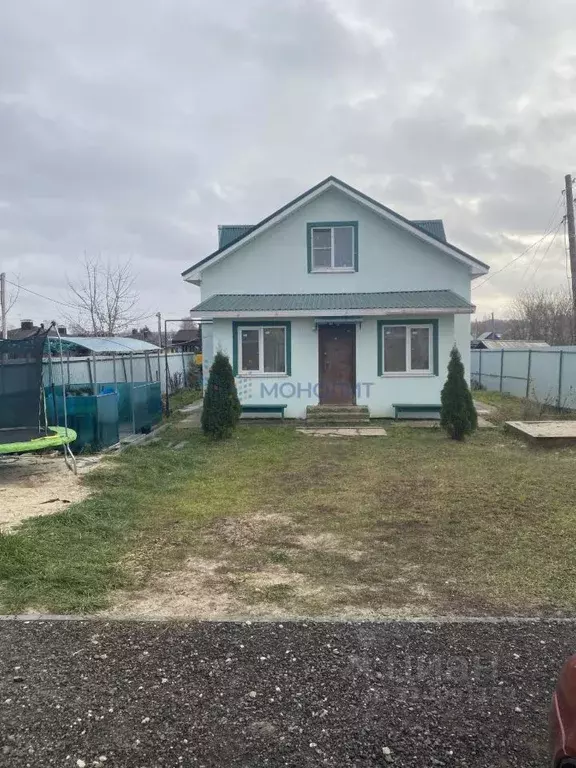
23 426
24 440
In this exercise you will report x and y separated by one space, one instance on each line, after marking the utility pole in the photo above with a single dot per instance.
159 316
571 237
3 305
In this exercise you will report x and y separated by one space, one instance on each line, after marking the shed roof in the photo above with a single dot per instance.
511 344
106 344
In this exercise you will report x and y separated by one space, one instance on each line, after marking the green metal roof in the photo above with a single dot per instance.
434 227
314 302
228 233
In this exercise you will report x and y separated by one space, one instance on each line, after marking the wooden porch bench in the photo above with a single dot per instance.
264 409
400 408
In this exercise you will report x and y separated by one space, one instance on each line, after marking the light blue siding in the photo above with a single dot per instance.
301 388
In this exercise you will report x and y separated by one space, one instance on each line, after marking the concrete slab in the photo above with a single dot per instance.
344 432
545 433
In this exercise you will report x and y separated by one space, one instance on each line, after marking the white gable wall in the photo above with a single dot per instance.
390 259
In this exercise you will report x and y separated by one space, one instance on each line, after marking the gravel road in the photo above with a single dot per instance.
144 695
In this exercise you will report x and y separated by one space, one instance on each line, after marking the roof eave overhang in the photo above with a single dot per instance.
477 268
401 312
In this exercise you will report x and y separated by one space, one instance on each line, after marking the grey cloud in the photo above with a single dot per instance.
135 128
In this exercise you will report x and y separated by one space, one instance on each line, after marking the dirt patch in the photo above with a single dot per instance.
196 591
245 531
31 486
328 542
204 589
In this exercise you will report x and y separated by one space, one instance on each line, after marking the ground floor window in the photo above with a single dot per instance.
407 347
261 348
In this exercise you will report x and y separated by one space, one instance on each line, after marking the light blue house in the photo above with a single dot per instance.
336 300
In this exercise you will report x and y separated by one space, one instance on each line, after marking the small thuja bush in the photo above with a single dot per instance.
458 415
221 410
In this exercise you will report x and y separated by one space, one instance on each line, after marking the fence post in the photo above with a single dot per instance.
95 379
90 374
52 387
501 368
132 393
183 369
560 367
480 368
528 374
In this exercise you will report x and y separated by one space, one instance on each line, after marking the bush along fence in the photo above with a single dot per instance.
544 376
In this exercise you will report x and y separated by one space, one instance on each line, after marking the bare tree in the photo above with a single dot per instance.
543 315
104 298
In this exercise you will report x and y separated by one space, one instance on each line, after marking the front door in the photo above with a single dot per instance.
337 364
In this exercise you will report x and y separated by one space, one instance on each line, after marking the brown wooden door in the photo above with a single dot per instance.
337 364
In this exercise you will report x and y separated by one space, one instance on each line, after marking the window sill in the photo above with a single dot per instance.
333 270
408 375
258 375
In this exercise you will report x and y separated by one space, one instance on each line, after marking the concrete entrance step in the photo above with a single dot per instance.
312 410
352 416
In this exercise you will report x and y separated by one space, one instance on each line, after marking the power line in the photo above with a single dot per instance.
547 229
62 303
509 264
536 245
40 295
550 244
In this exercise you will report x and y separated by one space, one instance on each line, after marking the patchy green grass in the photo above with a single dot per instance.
273 522
509 408
184 397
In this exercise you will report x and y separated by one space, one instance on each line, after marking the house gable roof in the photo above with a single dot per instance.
228 233
424 233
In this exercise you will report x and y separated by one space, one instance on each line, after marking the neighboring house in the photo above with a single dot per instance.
335 299
489 336
27 328
187 340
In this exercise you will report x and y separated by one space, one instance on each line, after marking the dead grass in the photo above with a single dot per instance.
410 524
273 524
509 408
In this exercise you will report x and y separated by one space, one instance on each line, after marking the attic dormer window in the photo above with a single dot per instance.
333 247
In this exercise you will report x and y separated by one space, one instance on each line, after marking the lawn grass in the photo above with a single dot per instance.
281 523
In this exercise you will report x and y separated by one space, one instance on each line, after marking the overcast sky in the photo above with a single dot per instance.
133 128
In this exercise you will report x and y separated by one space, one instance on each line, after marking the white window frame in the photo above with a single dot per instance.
261 371
332 268
409 372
